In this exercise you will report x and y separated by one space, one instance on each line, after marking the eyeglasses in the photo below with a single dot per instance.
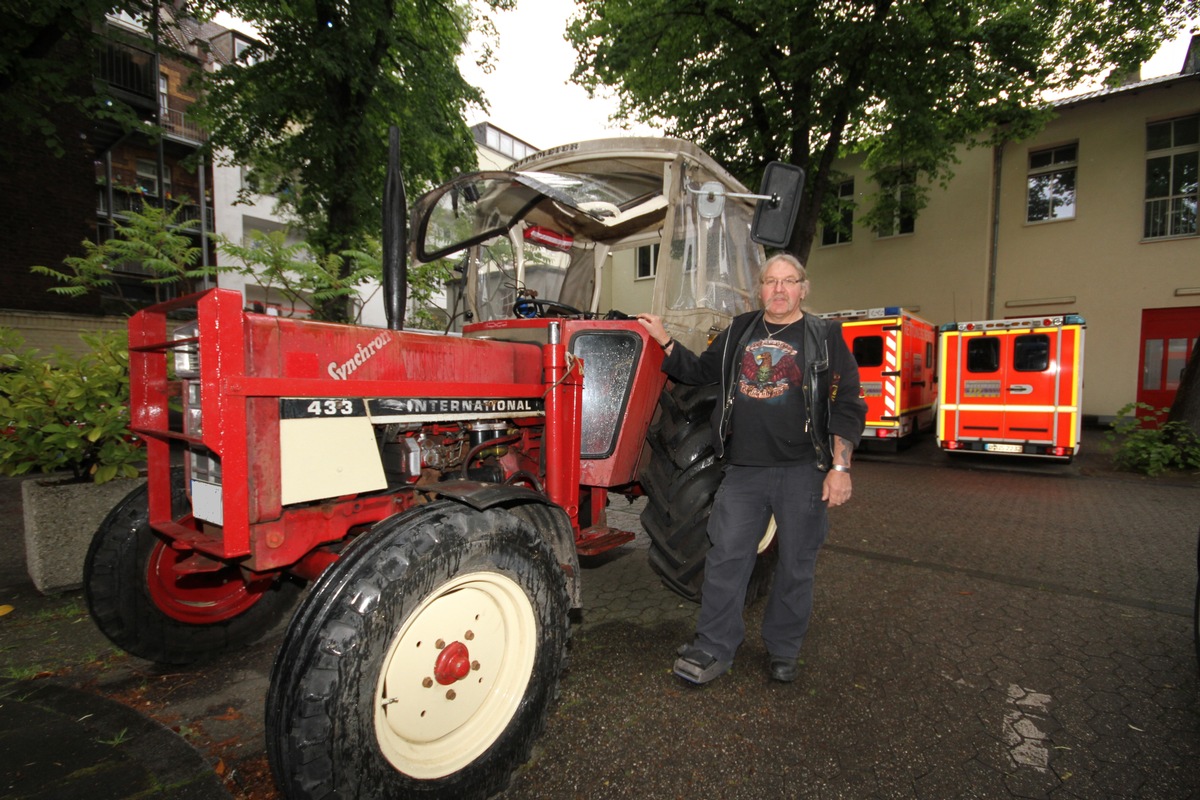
786 283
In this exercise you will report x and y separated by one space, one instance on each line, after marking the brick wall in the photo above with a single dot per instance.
48 204
48 207
44 331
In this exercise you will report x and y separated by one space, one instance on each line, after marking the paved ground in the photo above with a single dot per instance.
984 629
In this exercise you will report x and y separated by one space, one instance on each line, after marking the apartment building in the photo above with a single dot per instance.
54 203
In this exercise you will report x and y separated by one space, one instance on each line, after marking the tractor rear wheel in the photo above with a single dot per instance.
681 475
146 608
423 663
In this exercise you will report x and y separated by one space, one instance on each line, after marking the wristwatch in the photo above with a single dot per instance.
840 468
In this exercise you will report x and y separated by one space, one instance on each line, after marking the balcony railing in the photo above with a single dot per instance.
178 123
125 202
130 69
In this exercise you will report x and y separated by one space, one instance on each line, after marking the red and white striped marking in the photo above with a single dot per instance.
889 384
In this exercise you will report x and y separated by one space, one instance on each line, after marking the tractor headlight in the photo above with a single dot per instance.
187 354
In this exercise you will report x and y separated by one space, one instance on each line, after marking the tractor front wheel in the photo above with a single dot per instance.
148 608
423 663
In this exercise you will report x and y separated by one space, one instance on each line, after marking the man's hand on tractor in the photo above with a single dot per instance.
658 332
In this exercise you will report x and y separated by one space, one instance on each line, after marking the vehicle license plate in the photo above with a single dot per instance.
1004 448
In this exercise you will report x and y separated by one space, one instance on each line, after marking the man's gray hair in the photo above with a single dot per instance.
786 258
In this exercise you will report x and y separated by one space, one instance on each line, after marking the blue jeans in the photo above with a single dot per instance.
742 508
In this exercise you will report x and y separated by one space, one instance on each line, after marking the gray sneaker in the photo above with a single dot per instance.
783 669
699 666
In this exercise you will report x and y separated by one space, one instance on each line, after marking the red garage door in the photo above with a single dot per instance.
1168 336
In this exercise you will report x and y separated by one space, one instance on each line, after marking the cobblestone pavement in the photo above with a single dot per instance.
979 632
982 630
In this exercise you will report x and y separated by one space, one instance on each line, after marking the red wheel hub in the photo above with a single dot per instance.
199 598
453 664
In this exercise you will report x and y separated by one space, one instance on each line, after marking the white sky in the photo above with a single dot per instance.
531 97
529 92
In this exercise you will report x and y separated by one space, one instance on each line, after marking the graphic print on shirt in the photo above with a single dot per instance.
769 369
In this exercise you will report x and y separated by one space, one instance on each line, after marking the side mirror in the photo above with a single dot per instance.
775 213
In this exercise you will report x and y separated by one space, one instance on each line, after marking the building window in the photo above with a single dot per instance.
1051 184
147 177
841 229
244 51
164 97
897 203
647 262
501 142
1172 156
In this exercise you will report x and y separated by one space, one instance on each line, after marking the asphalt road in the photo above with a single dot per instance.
984 628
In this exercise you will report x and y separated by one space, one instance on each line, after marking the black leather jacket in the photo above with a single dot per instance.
831 388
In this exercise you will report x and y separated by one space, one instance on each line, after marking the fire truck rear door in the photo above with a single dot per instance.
1031 384
980 360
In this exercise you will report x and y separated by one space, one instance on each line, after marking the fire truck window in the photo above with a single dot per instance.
983 355
1031 353
868 351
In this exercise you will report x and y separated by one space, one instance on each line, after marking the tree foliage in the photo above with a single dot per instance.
150 238
302 277
313 104
66 412
47 56
903 81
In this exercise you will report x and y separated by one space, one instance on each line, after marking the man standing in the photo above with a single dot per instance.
789 419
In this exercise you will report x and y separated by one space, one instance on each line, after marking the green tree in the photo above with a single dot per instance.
303 277
313 104
903 81
153 239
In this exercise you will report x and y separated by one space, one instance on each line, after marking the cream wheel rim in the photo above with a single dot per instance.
454 675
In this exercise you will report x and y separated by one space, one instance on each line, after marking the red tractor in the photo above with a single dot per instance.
430 493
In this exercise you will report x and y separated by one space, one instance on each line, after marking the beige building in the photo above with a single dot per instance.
1096 215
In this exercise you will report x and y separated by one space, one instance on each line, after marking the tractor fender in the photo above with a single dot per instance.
550 520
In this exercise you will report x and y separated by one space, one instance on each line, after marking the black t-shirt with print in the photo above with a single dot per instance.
768 425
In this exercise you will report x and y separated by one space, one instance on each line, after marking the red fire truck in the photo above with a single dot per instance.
894 350
1011 386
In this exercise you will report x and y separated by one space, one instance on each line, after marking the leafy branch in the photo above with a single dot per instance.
151 240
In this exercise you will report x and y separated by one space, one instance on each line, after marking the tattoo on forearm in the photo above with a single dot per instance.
841 450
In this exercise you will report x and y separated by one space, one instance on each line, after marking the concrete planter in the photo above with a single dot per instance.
60 519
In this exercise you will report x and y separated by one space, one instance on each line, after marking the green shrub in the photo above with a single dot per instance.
64 412
1139 447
